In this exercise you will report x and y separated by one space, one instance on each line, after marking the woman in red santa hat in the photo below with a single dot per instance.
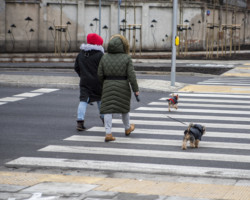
86 66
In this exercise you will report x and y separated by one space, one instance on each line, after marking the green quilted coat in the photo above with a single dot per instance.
116 94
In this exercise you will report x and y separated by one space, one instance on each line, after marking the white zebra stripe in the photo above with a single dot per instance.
197 100
162 142
233 84
11 99
239 112
200 117
28 94
212 95
45 90
147 153
183 104
173 132
130 167
170 123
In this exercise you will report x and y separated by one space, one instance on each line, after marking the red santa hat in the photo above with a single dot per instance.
94 39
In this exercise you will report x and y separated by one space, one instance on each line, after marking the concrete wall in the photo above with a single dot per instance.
80 13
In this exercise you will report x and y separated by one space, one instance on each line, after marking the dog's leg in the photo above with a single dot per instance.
176 106
197 143
169 105
192 141
184 143
192 144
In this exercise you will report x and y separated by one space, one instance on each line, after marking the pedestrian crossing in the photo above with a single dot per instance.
155 145
230 81
26 95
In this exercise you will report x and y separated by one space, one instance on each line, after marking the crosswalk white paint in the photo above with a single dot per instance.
183 104
26 95
193 117
235 84
234 81
200 100
130 167
162 142
222 111
232 122
211 95
11 99
146 153
184 124
171 132
45 90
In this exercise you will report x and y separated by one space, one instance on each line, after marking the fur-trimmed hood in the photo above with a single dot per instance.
118 44
90 47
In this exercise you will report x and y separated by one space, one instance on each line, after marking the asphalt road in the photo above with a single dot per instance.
45 121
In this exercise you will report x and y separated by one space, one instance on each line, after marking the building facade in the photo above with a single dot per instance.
62 25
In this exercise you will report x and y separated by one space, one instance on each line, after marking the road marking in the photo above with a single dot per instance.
162 142
241 89
214 95
170 132
174 116
184 123
239 112
11 99
229 84
197 100
213 89
183 104
146 153
21 96
210 65
129 167
28 94
45 90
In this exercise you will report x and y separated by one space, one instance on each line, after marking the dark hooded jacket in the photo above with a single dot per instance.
86 66
197 131
116 73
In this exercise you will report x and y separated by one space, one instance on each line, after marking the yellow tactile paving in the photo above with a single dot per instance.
108 183
28 179
184 189
216 89
237 74
159 188
133 186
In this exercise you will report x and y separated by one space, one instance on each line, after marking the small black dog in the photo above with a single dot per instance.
193 134
173 102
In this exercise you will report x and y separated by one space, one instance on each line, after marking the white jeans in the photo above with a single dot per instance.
108 122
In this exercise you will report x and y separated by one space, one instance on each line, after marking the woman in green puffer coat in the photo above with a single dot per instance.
116 74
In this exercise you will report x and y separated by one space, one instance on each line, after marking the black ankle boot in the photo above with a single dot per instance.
80 125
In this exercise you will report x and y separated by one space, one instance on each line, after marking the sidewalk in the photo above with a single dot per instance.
48 61
78 186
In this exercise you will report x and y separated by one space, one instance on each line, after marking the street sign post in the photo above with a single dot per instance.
174 27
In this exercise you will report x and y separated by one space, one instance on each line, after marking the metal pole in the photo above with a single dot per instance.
174 27
100 6
119 5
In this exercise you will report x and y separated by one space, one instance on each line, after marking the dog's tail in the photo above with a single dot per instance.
190 126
